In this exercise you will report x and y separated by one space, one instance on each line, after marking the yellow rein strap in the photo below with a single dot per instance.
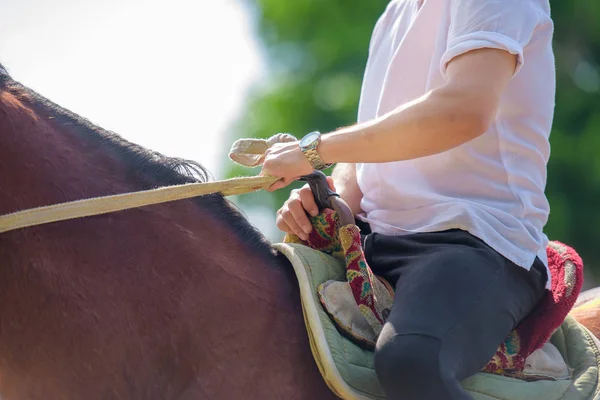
119 202
247 152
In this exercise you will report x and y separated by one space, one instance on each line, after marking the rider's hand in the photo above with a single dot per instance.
292 218
286 161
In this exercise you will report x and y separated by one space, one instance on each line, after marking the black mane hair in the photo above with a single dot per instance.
144 162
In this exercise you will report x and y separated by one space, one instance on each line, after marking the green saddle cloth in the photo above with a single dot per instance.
349 372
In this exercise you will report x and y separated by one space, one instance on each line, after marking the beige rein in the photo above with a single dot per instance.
247 152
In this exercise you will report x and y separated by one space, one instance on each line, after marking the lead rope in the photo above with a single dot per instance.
247 152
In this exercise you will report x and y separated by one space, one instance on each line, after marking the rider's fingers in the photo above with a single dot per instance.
285 217
298 213
308 201
281 224
330 183
280 184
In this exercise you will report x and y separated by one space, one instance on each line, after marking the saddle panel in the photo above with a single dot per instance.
348 369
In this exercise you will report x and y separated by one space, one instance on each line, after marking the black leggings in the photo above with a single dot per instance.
456 301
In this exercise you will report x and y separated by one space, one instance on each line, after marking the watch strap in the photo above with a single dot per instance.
314 159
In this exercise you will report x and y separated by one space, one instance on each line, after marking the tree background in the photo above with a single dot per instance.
316 52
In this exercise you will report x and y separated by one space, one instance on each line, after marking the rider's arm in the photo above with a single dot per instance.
446 117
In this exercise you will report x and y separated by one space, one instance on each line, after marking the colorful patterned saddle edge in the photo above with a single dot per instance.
349 369
373 296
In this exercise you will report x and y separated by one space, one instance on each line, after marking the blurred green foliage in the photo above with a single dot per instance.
316 52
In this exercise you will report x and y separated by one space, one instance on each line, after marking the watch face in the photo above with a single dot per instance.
309 139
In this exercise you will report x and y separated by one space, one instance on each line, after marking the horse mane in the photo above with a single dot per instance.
162 169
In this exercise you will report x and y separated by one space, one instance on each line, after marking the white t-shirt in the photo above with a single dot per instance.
492 186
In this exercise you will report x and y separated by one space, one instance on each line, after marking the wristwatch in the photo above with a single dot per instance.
308 145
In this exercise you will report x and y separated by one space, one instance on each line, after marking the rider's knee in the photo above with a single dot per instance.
408 364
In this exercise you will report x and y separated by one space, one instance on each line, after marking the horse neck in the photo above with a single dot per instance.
158 298
45 160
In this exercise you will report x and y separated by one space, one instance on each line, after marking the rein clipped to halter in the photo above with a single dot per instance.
247 152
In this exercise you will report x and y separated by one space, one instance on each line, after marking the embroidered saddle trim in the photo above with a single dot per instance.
348 369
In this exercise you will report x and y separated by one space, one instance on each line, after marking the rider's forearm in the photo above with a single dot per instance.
432 124
346 185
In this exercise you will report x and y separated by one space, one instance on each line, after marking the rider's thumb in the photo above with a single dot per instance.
330 183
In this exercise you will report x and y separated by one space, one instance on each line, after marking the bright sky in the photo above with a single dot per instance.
170 76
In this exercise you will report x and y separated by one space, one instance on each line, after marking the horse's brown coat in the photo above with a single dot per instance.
163 302
587 310
589 317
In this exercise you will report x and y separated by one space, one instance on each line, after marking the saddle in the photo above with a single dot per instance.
549 356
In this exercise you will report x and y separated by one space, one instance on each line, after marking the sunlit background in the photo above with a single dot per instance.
171 76
167 75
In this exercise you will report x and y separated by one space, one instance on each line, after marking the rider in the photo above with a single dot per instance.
446 172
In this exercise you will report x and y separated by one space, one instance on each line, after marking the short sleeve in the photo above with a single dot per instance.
499 24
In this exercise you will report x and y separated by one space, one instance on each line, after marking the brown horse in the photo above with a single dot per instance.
184 300
587 310
177 301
